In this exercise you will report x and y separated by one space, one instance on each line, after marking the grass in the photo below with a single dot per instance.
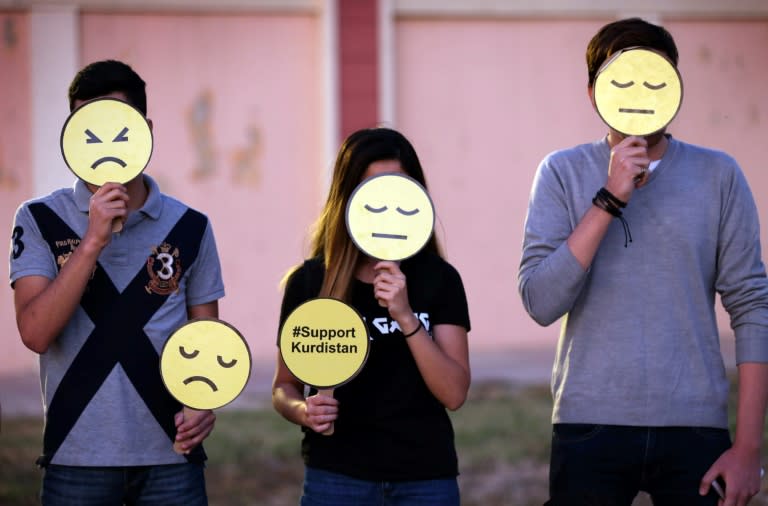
502 437
20 441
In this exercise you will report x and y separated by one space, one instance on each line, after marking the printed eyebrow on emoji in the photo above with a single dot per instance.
121 137
653 86
92 138
622 85
375 209
226 365
398 209
408 213
186 354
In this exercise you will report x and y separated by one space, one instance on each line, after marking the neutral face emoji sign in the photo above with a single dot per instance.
205 364
638 91
390 217
106 140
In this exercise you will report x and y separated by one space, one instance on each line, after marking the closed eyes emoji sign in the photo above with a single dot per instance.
638 91
106 140
205 364
390 217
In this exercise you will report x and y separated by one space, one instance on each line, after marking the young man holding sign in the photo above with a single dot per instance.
392 438
98 306
639 383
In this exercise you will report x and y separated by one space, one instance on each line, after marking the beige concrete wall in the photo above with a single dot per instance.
16 180
238 135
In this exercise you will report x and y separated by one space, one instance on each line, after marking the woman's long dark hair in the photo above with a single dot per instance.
330 239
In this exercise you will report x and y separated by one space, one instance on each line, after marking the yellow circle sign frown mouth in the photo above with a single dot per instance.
638 91
106 140
205 364
390 217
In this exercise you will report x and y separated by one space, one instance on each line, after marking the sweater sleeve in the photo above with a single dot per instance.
549 278
741 278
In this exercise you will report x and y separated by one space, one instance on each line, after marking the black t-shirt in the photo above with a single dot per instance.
390 426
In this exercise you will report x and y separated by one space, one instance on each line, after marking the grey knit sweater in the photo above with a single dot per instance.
639 343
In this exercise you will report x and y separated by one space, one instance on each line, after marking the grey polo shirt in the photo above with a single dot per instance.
147 283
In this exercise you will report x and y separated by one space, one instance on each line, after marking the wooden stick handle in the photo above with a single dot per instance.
187 413
329 393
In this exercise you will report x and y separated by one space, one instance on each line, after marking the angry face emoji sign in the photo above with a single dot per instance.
106 140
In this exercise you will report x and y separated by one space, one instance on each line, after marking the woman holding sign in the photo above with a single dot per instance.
392 436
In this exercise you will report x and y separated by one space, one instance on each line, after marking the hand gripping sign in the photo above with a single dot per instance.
390 217
638 91
205 364
106 140
324 343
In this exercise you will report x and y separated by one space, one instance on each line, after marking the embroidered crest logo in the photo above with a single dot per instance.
62 259
64 249
164 268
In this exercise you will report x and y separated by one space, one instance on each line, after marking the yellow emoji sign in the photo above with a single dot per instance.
205 364
106 140
638 91
324 342
390 217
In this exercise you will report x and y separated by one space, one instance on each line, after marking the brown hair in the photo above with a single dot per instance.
625 33
330 239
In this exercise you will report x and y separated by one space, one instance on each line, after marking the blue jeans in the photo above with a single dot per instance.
595 465
178 484
324 488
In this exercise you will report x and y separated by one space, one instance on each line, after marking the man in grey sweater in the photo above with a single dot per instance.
640 389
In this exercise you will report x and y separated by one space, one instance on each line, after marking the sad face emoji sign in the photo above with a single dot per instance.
205 364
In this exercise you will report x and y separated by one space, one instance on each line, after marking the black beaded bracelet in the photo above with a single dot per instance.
610 197
611 204
606 206
418 328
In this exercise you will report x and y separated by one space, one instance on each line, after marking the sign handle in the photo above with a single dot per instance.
329 393
187 413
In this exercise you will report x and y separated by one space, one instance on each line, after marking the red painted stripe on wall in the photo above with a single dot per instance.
358 64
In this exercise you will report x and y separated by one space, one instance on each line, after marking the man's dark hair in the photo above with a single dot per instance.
108 76
626 33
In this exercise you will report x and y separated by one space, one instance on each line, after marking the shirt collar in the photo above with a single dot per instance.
152 207
82 196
